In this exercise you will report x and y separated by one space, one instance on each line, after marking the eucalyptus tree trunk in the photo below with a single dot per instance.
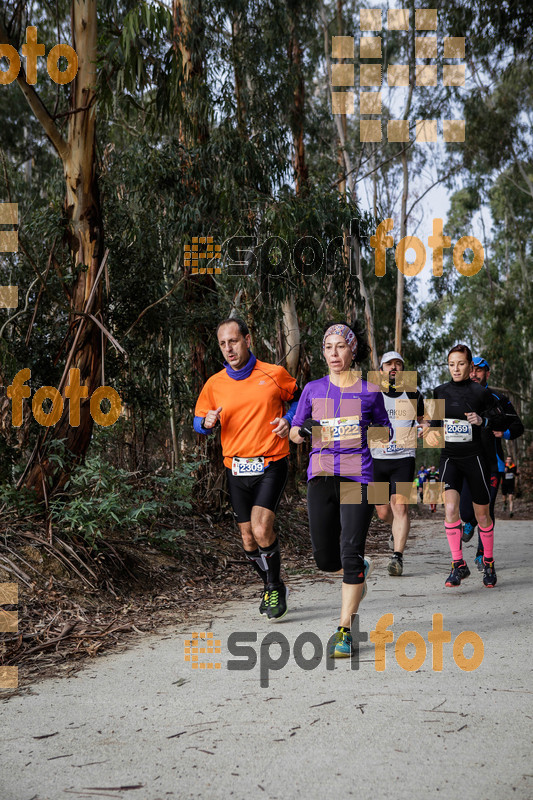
353 253
291 334
84 234
189 45
291 327
400 277
171 402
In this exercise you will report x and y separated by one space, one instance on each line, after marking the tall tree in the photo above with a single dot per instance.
83 228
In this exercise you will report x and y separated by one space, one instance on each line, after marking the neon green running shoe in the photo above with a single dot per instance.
277 602
263 608
341 646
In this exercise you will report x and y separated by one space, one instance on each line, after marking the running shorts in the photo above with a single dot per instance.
263 490
474 469
391 470
508 487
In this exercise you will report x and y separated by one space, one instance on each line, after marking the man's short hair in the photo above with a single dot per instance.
243 327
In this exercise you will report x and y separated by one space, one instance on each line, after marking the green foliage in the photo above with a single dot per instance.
103 500
23 501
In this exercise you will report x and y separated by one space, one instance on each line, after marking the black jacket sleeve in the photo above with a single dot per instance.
514 423
419 404
493 414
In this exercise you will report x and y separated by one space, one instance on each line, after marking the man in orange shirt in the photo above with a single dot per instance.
247 398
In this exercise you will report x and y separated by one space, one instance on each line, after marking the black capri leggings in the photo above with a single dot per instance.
466 509
338 530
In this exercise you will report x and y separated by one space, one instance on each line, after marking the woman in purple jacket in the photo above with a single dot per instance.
336 411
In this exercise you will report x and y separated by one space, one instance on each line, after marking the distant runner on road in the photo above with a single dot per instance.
248 398
433 478
422 475
508 484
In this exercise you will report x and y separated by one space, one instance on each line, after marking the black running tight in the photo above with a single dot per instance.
338 530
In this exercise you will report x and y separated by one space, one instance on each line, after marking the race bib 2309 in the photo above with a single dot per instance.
247 466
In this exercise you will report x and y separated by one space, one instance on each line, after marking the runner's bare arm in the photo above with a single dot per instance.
294 436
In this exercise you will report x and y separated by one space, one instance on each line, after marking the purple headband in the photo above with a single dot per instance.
346 333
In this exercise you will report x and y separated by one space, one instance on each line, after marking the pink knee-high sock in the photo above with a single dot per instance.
487 540
454 533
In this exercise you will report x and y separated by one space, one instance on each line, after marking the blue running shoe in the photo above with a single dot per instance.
341 646
468 531
489 573
459 572
479 562
369 566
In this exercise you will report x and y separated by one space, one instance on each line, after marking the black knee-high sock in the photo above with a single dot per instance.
272 562
256 560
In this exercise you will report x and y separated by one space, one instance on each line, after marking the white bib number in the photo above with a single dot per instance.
339 429
457 430
247 466
393 448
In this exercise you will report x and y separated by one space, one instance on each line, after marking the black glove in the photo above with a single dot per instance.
307 427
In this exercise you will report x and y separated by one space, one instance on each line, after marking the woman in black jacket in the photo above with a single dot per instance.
465 408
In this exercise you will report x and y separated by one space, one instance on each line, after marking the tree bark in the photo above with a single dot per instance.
170 398
84 233
340 119
291 335
298 111
291 327
194 132
400 277
355 253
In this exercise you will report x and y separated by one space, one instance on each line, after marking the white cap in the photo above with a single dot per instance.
389 356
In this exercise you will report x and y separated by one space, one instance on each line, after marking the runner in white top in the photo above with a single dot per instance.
396 463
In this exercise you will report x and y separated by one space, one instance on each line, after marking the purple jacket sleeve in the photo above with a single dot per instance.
304 408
